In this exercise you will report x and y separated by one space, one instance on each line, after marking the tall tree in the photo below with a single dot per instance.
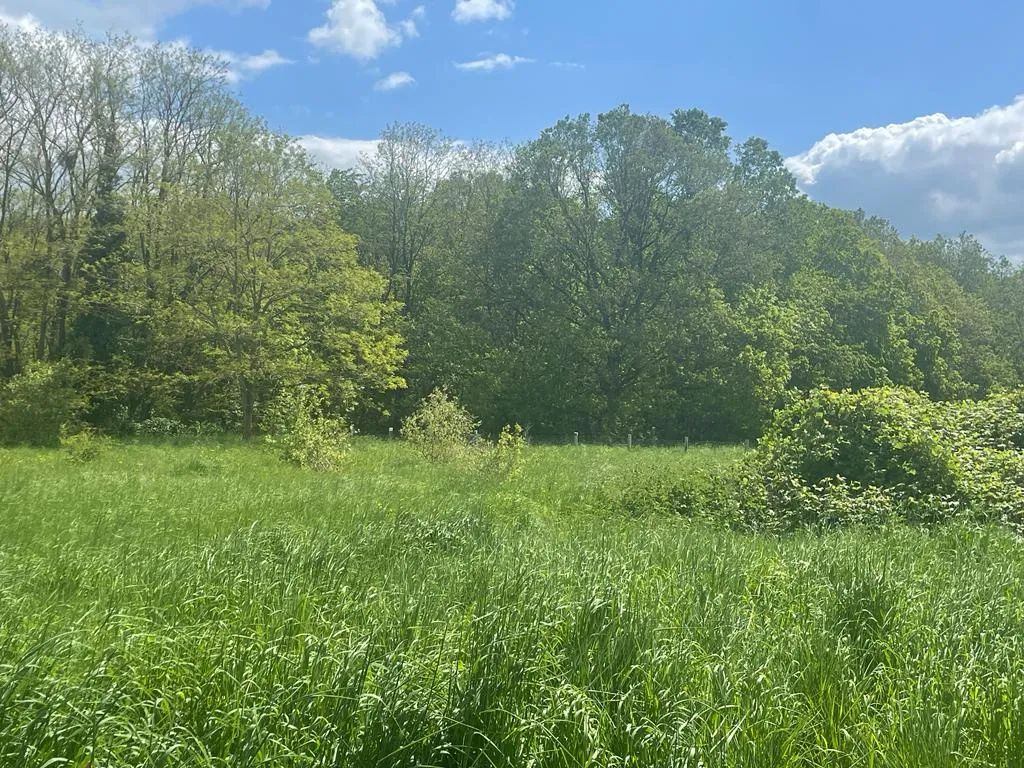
269 285
402 217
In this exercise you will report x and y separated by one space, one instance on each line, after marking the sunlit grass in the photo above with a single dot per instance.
207 605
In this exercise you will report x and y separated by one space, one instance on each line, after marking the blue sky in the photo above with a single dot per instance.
907 109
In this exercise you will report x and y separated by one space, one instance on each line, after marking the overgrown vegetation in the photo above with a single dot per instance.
83 445
208 605
506 456
709 494
841 458
869 458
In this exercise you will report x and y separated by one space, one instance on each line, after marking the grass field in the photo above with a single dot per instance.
206 605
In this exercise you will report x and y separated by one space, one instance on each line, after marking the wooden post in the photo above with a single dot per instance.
575 438
631 441
391 433
686 444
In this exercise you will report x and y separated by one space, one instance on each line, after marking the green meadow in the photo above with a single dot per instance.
204 604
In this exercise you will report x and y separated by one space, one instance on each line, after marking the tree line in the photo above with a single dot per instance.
619 273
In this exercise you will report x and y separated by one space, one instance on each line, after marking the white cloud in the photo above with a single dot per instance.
242 66
567 65
393 81
491 63
359 29
931 175
467 11
26 21
100 16
336 152
409 28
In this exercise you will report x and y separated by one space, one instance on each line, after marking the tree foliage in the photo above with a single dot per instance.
156 235
628 273
620 273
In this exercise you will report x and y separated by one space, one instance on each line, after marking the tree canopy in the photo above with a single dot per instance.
619 273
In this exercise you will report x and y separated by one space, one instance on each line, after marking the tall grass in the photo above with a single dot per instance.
206 605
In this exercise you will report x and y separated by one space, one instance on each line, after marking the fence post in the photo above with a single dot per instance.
631 441
686 444
575 438
391 433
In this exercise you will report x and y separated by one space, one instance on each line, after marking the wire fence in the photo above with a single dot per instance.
683 444
580 440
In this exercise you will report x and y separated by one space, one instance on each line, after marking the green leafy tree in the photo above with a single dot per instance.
269 285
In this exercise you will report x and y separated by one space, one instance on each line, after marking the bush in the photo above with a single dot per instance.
83 445
506 456
36 404
839 458
877 437
701 494
441 429
998 420
304 435
161 427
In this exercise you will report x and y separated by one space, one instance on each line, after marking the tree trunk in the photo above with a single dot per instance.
44 329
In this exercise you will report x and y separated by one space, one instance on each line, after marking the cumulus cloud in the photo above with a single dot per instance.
359 28
467 11
26 21
408 27
238 67
491 63
337 152
932 175
393 81
242 66
100 16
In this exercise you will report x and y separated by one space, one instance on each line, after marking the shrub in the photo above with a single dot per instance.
998 420
879 437
304 435
506 456
441 429
839 458
703 494
161 427
83 445
36 404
